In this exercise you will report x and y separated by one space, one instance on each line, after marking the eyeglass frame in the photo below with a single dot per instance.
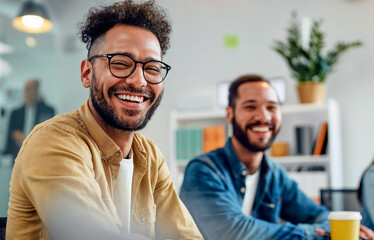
111 55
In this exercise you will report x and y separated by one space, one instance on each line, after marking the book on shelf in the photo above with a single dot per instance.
304 139
188 143
197 148
192 142
213 137
320 145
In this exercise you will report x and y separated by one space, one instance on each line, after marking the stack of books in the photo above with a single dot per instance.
192 142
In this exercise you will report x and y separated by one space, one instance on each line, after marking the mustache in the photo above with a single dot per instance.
132 89
250 125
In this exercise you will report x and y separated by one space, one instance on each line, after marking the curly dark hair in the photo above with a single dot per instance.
147 15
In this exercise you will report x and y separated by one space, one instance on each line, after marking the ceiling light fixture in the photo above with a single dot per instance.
32 18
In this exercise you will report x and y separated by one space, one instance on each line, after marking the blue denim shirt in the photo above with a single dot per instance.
368 198
211 190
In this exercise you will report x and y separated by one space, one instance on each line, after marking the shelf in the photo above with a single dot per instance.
294 160
303 108
221 113
294 115
192 115
304 159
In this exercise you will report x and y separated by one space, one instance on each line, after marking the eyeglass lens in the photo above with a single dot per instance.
122 66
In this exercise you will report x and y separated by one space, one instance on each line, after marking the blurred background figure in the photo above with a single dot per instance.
366 196
23 119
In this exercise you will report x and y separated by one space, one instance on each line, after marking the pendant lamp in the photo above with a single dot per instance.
32 18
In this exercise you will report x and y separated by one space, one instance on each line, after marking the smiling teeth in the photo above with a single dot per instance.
260 129
131 98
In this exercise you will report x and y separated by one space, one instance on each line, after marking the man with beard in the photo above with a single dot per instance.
87 174
237 192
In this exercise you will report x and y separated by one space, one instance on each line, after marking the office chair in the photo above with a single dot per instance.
2 227
340 199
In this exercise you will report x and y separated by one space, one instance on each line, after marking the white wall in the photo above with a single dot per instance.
199 60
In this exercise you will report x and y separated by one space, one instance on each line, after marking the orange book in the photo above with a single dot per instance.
213 137
320 139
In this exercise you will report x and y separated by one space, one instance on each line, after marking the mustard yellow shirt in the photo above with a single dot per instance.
63 180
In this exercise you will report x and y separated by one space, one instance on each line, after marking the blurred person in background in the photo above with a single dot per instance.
23 119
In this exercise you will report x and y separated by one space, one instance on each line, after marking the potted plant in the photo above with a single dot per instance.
309 66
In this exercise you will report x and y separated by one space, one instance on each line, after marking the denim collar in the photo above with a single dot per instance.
236 166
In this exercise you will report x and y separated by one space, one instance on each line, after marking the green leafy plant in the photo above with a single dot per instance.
309 63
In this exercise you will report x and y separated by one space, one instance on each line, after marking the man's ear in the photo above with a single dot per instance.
86 73
229 114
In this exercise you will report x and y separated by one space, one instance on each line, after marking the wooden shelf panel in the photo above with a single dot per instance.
304 159
221 113
303 108
193 115
313 160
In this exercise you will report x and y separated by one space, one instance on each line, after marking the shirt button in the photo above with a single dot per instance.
244 173
104 155
144 220
118 154
242 190
114 177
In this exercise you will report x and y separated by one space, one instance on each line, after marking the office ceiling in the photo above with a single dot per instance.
46 42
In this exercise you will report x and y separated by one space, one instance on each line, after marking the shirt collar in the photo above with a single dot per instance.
237 167
140 154
106 145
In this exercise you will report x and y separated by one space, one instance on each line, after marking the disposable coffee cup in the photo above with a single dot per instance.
344 225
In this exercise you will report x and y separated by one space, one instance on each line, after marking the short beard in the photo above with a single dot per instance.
108 114
244 140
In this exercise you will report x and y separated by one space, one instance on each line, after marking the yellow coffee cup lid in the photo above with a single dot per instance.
344 215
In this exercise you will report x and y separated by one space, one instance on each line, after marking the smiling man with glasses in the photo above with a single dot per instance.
122 65
88 174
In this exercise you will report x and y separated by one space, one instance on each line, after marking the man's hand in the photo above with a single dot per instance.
366 233
18 137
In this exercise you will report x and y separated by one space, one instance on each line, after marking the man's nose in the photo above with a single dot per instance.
137 79
262 115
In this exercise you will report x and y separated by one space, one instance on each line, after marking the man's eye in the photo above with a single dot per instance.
272 107
250 107
121 64
152 69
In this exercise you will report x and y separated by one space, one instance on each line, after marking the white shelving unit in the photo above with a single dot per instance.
313 115
293 115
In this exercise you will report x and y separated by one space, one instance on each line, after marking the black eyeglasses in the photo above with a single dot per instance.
122 65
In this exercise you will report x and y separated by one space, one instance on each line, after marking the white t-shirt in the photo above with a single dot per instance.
122 192
30 113
251 182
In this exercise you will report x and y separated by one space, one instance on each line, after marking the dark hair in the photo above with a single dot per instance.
147 15
233 90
